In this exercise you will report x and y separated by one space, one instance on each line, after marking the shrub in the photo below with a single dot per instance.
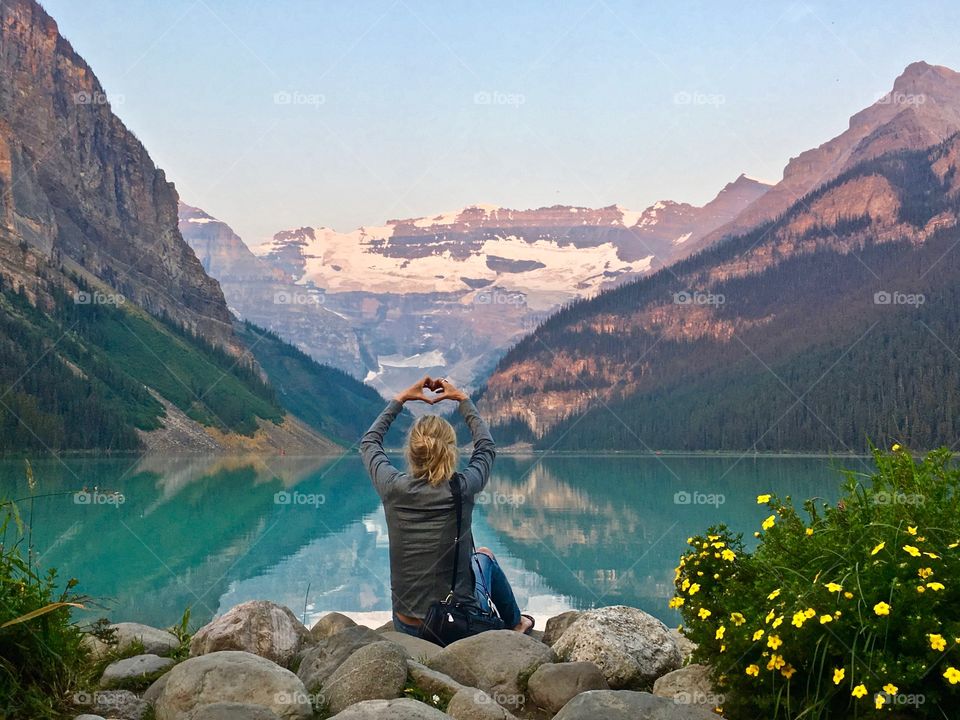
853 611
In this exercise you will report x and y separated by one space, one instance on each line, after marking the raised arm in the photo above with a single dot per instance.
477 472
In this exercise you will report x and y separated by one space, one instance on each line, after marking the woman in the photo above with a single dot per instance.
421 513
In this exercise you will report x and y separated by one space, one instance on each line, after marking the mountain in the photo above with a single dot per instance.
448 293
922 109
112 335
833 324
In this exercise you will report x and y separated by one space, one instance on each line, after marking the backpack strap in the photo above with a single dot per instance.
458 501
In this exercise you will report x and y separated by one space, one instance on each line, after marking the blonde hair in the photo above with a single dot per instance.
432 449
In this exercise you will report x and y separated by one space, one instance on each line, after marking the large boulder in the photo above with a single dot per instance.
433 682
553 684
231 676
374 672
628 705
232 711
117 704
688 685
686 645
132 669
631 647
319 661
259 627
499 662
330 624
402 709
154 641
556 626
474 704
153 692
417 648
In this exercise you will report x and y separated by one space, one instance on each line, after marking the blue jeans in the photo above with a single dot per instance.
490 584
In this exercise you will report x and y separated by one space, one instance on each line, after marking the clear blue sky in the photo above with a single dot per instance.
582 96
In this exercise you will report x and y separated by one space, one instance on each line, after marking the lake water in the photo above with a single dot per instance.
211 532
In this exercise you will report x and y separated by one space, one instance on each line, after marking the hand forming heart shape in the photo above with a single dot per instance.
440 389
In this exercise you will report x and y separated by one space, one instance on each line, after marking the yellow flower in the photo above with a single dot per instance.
859 691
937 642
770 616
911 550
774 641
728 555
824 619
695 588
768 523
774 594
878 548
935 586
720 632
776 662
809 613
753 670
704 613
833 587
761 499
711 538
878 701
890 689
788 671
952 675
686 584
881 608
757 635
896 447
848 595
912 529
924 573
932 555
778 622
809 531
838 674
723 648
756 534
799 618
737 618
675 602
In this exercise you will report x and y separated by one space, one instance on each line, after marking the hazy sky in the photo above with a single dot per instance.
277 113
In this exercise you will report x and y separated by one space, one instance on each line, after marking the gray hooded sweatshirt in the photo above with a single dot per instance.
421 518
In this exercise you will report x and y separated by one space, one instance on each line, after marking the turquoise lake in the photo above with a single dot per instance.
211 532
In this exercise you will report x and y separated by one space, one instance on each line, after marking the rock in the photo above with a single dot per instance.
155 642
374 672
417 648
259 627
553 684
690 685
119 704
153 692
89 717
685 644
97 648
321 660
628 705
330 624
232 711
231 676
386 626
474 704
498 662
137 667
433 682
630 647
557 624
402 709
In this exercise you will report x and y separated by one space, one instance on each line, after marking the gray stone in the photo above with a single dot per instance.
474 704
231 676
327 655
137 667
374 672
402 709
417 648
89 717
433 682
232 711
330 624
554 684
628 705
557 624
153 692
119 704
685 644
259 627
690 685
499 662
97 648
630 647
386 626
155 642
